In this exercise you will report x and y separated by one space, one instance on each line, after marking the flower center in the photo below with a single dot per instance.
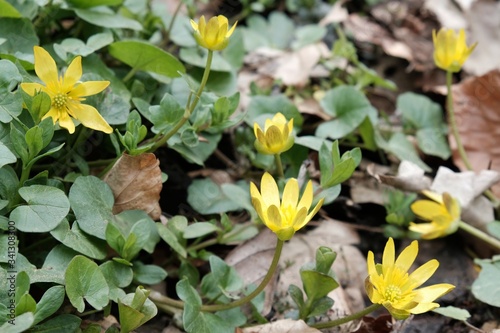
392 293
60 101
289 214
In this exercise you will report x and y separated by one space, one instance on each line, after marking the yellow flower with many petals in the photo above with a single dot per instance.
277 136
443 212
287 216
390 285
67 93
213 35
450 49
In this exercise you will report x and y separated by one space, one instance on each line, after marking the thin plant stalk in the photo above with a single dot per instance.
346 319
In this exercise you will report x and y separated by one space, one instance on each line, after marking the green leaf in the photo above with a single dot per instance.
37 105
57 261
19 324
316 284
494 228
46 207
34 141
84 280
199 229
403 149
6 156
453 312
148 274
167 114
126 221
433 142
320 306
194 320
206 197
308 34
63 323
19 143
199 153
22 285
169 237
50 302
15 48
10 102
222 278
105 17
25 304
297 295
198 57
117 276
349 106
79 241
92 202
7 10
73 46
263 107
9 183
93 3
324 259
133 316
486 287
144 56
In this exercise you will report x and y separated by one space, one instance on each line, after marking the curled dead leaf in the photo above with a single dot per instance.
136 184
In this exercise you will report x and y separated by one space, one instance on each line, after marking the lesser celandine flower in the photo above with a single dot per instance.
284 217
450 49
443 212
67 93
277 136
390 285
213 35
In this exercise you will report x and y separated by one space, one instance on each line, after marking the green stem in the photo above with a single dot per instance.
279 165
453 121
189 108
354 316
130 74
480 234
160 299
203 244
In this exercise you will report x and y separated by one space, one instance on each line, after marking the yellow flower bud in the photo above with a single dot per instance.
213 35
450 49
277 136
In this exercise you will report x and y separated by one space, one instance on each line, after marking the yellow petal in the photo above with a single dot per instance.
290 194
66 122
73 74
427 209
273 218
422 274
230 32
407 257
307 197
269 190
389 255
53 113
370 262
433 196
91 118
202 26
32 88
430 293
257 201
424 307
194 25
259 134
300 219
88 88
315 210
45 66
211 32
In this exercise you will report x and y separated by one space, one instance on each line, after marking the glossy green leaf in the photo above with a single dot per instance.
144 56
20 324
63 323
169 237
135 310
199 229
45 208
50 302
79 241
148 274
92 202
105 17
117 276
6 156
486 287
85 281
7 10
320 306
263 107
207 197
93 3
15 48
453 312
316 284
348 106
403 149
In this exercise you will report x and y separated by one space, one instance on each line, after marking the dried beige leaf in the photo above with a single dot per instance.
136 184
282 326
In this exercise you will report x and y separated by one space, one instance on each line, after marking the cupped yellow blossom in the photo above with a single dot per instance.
450 49
390 284
443 212
284 217
277 136
213 35
67 93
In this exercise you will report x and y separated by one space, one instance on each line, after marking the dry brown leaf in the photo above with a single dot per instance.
136 184
477 103
282 326
252 260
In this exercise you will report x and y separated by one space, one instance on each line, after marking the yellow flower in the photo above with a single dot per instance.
286 217
277 136
450 49
213 35
390 285
66 93
443 213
